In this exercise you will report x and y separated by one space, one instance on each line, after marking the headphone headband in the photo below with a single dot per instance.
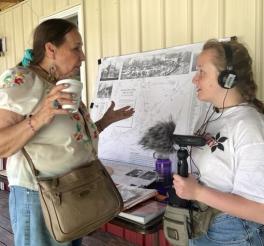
229 56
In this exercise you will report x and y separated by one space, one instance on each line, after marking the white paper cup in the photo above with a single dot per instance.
75 88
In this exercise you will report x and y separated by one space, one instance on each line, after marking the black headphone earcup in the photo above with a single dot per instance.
227 79
221 77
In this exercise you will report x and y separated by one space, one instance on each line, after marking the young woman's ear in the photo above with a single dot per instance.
50 50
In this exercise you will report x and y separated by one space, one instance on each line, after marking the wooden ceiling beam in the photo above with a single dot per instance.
4 4
10 1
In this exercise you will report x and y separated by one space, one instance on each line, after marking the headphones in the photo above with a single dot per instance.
227 78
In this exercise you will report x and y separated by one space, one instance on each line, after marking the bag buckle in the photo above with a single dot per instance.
57 198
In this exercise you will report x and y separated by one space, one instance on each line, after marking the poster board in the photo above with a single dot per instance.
158 85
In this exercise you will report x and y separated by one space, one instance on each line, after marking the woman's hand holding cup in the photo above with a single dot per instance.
61 100
75 88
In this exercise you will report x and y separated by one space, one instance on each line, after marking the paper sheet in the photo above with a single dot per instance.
158 85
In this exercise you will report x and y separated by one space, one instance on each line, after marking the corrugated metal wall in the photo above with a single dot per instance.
116 27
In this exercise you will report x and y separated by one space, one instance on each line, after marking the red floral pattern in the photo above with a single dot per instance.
80 129
16 78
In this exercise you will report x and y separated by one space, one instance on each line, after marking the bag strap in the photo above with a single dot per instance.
81 110
30 162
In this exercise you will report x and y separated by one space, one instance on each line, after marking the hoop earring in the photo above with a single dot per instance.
52 74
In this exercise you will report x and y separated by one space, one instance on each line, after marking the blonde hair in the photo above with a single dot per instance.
242 65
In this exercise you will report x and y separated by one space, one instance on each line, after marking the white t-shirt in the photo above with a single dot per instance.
57 147
233 158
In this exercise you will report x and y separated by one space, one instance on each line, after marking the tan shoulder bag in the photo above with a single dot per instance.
78 202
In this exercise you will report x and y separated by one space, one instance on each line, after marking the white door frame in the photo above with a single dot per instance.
65 14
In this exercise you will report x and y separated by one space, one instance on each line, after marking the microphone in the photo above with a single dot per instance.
161 139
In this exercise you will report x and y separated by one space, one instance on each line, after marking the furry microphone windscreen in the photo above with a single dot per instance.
159 138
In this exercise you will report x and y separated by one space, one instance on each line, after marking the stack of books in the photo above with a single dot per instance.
144 212
133 195
138 205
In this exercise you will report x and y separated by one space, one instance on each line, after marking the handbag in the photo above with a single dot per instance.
182 224
78 202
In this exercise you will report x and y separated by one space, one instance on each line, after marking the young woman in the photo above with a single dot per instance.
231 165
31 116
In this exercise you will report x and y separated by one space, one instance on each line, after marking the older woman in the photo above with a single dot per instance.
31 116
